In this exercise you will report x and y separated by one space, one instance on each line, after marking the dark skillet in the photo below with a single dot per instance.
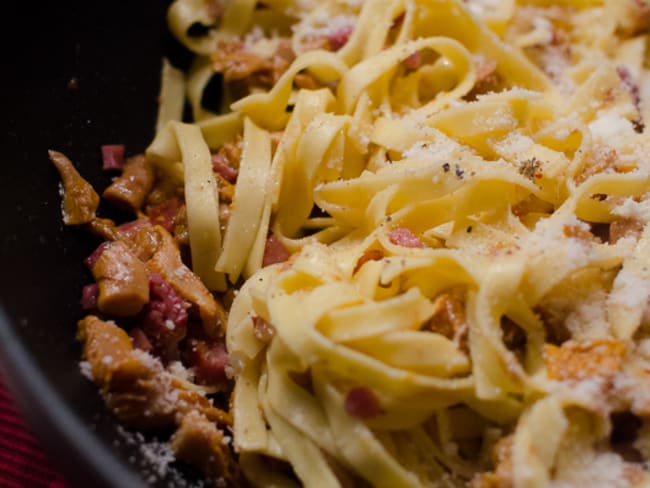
113 51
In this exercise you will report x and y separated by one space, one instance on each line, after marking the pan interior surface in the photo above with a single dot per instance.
76 75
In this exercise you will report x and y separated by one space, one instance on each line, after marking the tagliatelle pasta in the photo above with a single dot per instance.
438 235
250 192
464 157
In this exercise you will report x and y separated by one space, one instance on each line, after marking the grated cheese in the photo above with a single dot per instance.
611 129
588 320
634 289
86 370
156 460
322 24
593 470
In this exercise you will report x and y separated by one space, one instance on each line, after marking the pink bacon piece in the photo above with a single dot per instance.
274 252
340 37
112 157
221 167
165 213
89 294
405 238
362 403
209 362
165 317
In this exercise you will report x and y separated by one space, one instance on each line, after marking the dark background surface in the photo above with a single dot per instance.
113 50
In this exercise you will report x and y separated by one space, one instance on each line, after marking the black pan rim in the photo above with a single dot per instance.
87 459
78 75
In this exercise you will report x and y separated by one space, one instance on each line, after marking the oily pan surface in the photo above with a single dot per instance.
77 75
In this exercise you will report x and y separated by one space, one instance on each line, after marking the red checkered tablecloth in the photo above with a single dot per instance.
22 462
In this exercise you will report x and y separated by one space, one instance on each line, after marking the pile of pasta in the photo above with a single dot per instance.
464 194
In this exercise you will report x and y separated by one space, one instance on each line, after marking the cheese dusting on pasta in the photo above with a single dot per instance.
463 189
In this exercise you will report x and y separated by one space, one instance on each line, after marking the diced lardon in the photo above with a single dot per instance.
134 384
166 261
80 201
200 443
122 280
130 189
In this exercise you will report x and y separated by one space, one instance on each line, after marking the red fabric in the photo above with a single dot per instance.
22 462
